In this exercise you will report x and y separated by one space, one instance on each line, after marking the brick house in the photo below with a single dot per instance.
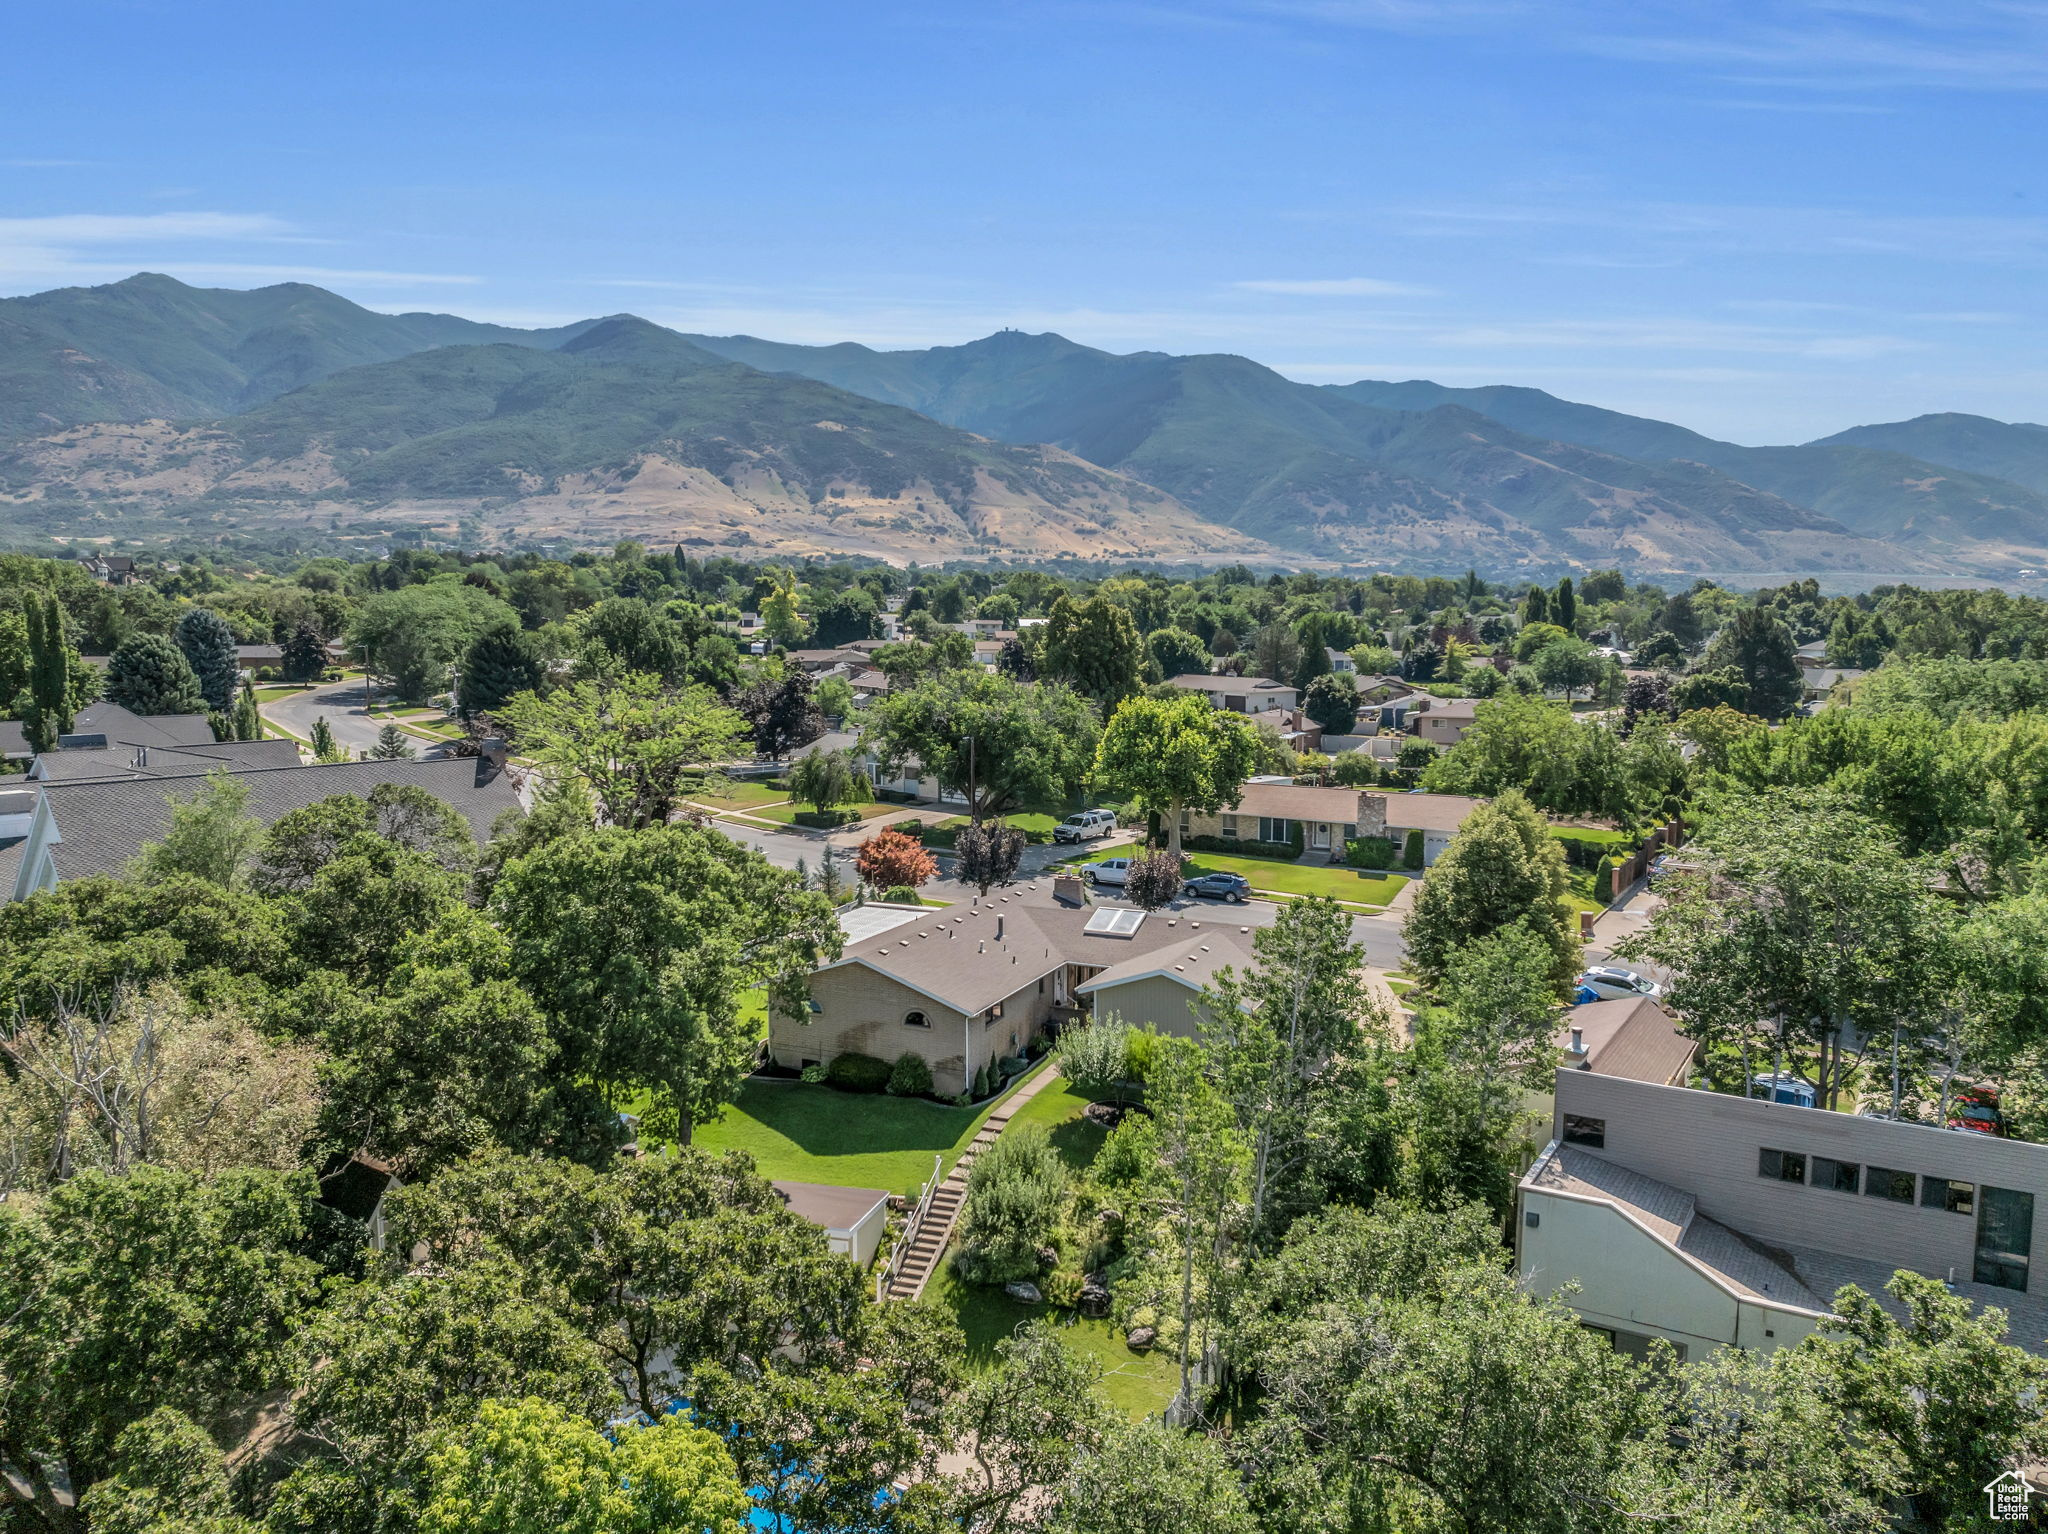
967 985
1329 817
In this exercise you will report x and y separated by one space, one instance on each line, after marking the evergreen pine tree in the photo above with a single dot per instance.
392 745
1536 606
248 722
148 675
208 645
324 747
305 653
1564 607
49 673
500 661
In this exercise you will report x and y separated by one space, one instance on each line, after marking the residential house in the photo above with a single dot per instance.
963 987
821 662
1296 730
112 569
69 829
1442 721
1718 1221
1329 817
1338 660
1240 694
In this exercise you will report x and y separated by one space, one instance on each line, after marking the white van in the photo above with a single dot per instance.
1085 827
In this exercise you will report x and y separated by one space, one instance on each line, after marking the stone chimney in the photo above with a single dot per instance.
491 755
1372 814
1068 889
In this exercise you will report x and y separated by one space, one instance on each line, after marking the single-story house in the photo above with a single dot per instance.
1819 681
1632 1036
71 829
1442 721
818 662
1329 817
1239 694
853 1219
965 986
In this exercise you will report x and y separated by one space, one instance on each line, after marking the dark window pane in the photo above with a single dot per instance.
1940 1193
1883 1182
1785 1166
2005 1238
1835 1176
1579 1130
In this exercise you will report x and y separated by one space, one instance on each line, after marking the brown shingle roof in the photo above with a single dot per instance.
1632 1037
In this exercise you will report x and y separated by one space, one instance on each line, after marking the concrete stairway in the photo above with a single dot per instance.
928 1246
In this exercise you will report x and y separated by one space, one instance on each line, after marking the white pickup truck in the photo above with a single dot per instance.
1111 872
1087 826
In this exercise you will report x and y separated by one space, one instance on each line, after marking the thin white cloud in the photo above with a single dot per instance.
48 164
125 228
1334 287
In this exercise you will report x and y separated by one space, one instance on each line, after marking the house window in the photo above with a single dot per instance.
1580 1130
2005 1238
1186 820
916 1020
1229 826
1835 1176
1883 1182
1784 1166
1941 1193
1274 830
990 1017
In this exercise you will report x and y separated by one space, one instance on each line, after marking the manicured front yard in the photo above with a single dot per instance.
1038 826
746 796
795 812
1354 886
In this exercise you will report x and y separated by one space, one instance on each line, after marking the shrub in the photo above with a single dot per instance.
1411 853
901 894
911 1077
1371 852
1096 1059
812 1074
853 1072
1153 880
1604 882
980 1082
1584 851
1016 1198
890 858
1356 769
1241 848
1142 1053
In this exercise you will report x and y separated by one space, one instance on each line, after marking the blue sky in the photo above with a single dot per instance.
1765 220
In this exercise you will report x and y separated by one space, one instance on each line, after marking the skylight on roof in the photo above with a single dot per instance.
1114 921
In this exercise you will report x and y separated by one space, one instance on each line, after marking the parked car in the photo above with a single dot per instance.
1085 827
1976 1109
1235 888
1110 871
1612 984
1785 1088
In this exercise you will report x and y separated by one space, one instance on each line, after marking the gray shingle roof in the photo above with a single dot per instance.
164 761
13 738
103 825
123 727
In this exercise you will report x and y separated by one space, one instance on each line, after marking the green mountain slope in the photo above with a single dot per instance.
1917 504
1318 468
2016 451
152 347
625 429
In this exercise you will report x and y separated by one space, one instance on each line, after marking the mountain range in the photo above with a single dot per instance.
147 406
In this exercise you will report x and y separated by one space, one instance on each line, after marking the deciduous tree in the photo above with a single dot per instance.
891 860
1177 754
1503 869
1000 742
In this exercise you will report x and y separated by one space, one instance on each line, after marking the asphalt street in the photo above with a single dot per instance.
344 706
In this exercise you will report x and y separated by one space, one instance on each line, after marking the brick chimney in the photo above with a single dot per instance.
491 754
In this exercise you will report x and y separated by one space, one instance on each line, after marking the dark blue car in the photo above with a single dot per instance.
1219 886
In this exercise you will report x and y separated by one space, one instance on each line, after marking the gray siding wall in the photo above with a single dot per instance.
1707 1144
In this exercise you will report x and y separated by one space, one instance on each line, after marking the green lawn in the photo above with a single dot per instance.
1356 886
1038 826
1059 1109
1579 889
1599 834
786 814
810 1133
746 796
1140 1383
